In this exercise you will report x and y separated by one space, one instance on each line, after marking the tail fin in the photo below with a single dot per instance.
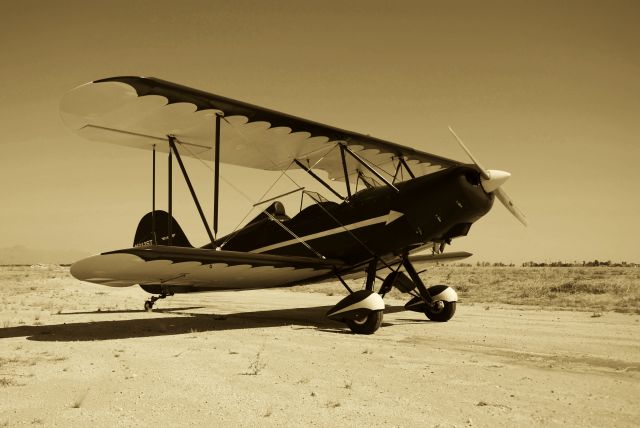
145 234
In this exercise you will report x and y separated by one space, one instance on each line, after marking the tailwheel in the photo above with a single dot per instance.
148 305
440 311
367 323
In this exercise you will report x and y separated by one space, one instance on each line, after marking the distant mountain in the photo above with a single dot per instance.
21 255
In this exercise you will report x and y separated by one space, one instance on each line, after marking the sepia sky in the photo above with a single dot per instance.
547 90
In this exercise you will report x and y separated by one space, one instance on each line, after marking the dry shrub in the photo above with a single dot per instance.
577 287
5 381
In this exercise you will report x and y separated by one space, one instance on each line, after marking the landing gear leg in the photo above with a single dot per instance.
148 305
424 293
371 275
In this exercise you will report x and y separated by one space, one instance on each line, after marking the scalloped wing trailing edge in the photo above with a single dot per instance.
140 112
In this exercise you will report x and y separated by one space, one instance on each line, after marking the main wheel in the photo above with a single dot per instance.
148 306
441 312
368 324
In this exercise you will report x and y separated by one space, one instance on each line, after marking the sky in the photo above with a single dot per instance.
546 90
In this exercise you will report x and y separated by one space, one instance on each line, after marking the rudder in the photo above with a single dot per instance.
145 236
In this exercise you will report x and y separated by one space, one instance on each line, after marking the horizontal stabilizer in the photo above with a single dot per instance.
418 261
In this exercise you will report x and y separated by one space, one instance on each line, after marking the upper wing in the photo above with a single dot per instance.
199 268
140 112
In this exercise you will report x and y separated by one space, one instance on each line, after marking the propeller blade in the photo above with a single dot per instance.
508 203
491 182
484 172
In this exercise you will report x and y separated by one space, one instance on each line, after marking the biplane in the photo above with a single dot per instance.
391 203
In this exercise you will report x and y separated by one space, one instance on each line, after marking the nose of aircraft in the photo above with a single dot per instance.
496 179
492 180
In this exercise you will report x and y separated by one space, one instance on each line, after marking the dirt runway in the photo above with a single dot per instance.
271 358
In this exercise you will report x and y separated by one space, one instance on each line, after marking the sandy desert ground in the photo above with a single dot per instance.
76 354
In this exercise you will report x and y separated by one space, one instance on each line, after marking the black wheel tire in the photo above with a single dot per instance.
368 325
442 315
148 306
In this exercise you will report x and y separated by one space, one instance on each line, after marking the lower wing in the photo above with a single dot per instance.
419 261
196 268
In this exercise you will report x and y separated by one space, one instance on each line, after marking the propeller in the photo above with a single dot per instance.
491 181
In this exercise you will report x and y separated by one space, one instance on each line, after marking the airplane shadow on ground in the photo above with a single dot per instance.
128 311
149 325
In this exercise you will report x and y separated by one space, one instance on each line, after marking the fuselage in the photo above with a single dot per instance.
378 221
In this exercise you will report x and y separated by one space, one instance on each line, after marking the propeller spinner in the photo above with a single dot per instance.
491 180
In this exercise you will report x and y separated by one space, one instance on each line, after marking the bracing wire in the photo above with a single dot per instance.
296 237
257 146
283 173
347 230
232 234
